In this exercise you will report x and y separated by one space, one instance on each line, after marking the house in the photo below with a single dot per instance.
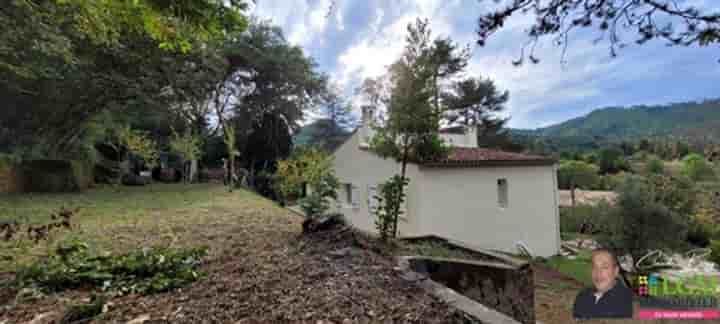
481 197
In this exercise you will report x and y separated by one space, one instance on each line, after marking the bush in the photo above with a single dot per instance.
306 166
318 202
7 160
715 253
611 182
56 175
571 219
697 168
148 271
577 174
700 234
642 222
389 200
655 166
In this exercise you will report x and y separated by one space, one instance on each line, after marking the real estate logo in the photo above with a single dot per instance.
684 298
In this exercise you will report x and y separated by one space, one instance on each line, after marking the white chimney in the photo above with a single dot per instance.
367 122
471 135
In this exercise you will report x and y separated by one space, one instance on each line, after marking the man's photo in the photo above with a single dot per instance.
609 297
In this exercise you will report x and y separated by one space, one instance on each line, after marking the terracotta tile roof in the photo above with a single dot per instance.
469 156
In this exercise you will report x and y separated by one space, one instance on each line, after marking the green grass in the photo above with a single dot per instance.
119 203
578 268
120 219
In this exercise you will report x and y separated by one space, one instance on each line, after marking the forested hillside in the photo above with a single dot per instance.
688 121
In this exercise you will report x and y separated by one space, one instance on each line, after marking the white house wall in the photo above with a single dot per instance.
362 169
462 204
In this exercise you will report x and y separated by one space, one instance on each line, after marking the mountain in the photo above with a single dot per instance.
641 121
694 120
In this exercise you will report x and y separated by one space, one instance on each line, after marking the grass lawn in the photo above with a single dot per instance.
578 268
260 268
123 218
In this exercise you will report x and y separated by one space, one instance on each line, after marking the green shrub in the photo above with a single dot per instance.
611 182
597 216
655 166
147 271
390 199
715 254
697 168
7 160
577 174
642 222
318 202
700 234
56 175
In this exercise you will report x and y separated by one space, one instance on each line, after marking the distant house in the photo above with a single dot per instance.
485 198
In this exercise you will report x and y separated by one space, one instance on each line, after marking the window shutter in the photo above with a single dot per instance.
372 203
355 196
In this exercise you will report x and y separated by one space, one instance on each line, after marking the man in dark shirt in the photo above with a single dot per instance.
609 298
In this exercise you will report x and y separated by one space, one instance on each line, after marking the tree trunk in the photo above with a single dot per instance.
231 167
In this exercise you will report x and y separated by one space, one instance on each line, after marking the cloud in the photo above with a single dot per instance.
353 40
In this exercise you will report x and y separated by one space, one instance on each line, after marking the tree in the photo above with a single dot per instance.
577 174
655 166
334 123
611 160
271 84
475 102
680 24
138 143
389 200
410 131
697 168
641 223
187 145
313 168
64 63
229 139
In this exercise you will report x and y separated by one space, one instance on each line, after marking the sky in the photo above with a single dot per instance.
356 39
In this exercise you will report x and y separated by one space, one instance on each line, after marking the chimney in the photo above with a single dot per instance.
368 113
368 118
471 136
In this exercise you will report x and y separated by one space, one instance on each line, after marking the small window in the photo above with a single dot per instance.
502 188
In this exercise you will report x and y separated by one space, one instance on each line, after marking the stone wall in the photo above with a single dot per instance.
508 289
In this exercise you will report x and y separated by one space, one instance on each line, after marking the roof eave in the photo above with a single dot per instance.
488 163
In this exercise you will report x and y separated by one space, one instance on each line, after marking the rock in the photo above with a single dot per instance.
340 253
140 320
412 276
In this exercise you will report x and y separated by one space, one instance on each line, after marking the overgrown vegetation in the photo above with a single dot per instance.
308 169
389 200
146 271
585 218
